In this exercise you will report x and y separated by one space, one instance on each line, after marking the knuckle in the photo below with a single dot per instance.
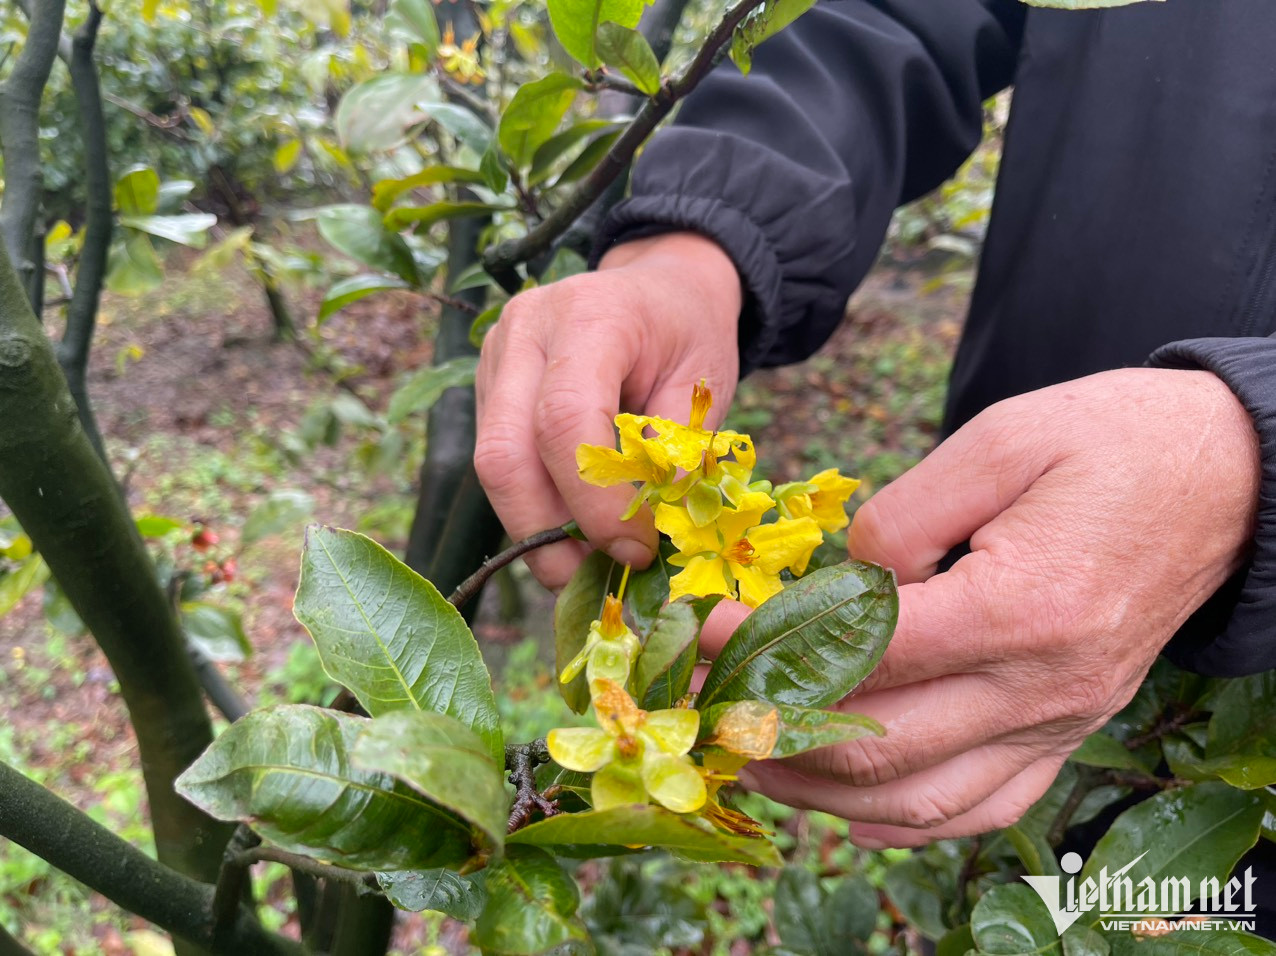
498 462
560 414
929 806
863 766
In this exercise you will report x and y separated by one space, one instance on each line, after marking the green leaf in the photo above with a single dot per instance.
628 51
1197 832
189 229
579 604
763 23
1191 942
799 903
424 386
283 510
17 584
1241 746
533 115
385 192
576 21
137 191
810 644
286 156
531 905
589 157
496 175
554 148
1102 750
416 18
1033 851
1081 940
1080 4
956 942
386 633
134 267
378 113
157 526
360 233
422 217
850 913
1011 919
440 759
483 323
648 591
604 831
919 891
780 730
471 277
286 771
662 675
464 125
217 631
441 890
350 290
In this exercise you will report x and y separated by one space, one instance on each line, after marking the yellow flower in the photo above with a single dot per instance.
720 768
655 461
609 651
823 498
634 755
460 62
736 555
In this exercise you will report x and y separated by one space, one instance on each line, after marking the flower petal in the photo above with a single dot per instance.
756 585
673 731
734 522
616 785
701 577
674 782
828 504
580 748
674 521
615 710
605 467
787 543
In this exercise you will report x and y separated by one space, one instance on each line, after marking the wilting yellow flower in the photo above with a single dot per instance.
633 754
736 555
720 768
609 651
823 498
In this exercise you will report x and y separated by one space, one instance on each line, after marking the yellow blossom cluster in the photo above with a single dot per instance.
704 497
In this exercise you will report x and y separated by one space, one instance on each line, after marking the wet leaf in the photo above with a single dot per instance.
442 760
387 634
810 644
662 675
600 832
441 890
531 905
287 772
758 730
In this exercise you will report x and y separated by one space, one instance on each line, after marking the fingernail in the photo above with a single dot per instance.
630 551
865 842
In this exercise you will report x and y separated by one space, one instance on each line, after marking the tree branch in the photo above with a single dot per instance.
53 830
521 760
502 260
304 864
81 315
474 583
20 139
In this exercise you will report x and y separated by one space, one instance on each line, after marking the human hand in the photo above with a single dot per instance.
659 315
1101 513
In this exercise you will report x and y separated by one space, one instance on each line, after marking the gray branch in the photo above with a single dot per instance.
20 140
53 830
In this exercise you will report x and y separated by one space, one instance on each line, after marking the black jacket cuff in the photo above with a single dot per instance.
1234 633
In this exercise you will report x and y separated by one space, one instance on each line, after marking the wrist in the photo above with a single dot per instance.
686 259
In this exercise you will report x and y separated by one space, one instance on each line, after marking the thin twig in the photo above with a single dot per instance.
304 864
474 583
1087 779
469 308
232 879
596 80
521 760
957 912
502 260
1173 719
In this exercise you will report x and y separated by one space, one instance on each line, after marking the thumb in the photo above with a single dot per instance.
963 484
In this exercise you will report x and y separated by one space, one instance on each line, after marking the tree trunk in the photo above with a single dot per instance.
65 498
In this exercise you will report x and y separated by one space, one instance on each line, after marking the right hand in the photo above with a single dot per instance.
659 315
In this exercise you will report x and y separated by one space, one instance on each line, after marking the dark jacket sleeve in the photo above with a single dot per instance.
1235 632
796 168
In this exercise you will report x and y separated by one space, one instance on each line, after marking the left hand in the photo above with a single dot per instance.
1100 513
